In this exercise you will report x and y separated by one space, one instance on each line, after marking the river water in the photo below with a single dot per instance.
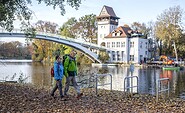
38 74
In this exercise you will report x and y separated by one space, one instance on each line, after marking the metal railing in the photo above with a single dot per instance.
158 87
102 75
57 36
131 86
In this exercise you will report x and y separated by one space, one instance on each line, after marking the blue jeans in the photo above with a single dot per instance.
58 86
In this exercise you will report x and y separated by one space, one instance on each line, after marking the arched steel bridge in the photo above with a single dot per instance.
77 44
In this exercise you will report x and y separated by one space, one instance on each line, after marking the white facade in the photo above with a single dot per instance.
104 28
124 48
127 49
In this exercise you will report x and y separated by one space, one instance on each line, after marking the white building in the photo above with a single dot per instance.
126 45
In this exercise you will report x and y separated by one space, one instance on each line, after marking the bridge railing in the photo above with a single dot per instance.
81 42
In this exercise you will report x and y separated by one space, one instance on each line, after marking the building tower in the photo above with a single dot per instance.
107 22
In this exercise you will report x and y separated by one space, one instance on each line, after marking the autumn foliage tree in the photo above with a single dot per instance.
43 50
141 27
14 49
67 28
86 28
11 10
168 29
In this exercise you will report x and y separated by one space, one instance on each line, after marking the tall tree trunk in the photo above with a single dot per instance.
175 51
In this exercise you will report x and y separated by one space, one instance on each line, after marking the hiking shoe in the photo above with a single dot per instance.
52 95
63 98
65 95
79 95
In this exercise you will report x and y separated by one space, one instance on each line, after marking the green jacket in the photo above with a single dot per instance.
70 65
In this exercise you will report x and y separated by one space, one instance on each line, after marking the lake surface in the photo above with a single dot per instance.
39 74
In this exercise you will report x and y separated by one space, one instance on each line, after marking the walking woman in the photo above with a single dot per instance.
58 75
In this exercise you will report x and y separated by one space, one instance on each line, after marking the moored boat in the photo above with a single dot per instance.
171 68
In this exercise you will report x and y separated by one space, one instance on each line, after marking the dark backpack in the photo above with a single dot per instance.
64 58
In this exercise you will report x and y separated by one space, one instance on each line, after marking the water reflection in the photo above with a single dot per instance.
39 75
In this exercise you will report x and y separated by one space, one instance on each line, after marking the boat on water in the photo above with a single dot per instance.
171 68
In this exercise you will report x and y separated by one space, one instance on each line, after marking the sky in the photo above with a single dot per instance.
129 11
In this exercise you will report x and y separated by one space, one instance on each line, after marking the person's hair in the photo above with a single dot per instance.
73 51
57 57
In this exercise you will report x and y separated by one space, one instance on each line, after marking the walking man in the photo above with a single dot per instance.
70 71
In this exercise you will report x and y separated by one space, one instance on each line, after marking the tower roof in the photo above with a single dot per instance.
107 12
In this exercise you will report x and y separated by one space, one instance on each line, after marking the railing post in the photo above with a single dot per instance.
130 87
99 75
96 85
158 87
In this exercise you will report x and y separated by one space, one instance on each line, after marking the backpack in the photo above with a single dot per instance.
52 71
64 58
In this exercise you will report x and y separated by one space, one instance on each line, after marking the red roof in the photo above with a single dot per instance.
120 32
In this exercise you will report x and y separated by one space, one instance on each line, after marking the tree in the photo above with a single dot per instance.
181 46
142 28
168 28
67 28
11 10
103 56
44 49
13 49
86 28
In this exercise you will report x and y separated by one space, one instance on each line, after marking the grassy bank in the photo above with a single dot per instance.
25 98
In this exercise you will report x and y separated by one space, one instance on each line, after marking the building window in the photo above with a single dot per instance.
113 34
100 35
118 44
122 54
118 56
146 45
113 55
113 44
131 57
141 44
146 53
122 44
108 44
131 44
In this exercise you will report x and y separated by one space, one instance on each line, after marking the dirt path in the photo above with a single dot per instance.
24 98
